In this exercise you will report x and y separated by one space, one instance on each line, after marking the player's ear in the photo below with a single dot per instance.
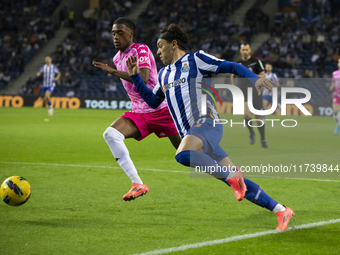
174 44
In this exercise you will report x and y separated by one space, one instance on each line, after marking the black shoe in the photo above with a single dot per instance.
252 138
264 144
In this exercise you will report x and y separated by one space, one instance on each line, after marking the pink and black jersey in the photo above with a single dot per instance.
336 78
145 60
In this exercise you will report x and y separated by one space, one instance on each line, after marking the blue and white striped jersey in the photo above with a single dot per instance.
273 78
49 73
181 83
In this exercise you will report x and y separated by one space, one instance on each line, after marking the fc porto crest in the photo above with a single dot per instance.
185 68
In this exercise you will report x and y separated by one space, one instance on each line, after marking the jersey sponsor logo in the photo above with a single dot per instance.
185 68
174 84
143 51
144 59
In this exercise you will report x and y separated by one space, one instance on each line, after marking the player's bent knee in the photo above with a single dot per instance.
113 134
183 158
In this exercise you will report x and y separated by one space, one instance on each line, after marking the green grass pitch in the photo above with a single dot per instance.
76 205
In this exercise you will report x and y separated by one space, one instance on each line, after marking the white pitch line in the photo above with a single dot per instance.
105 167
292 178
156 170
237 238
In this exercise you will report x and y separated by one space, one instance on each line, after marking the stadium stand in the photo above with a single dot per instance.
303 43
210 30
90 40
24 27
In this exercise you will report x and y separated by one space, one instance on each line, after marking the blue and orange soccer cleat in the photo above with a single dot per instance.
137 190
284 217
238 185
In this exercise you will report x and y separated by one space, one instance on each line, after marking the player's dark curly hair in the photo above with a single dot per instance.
127 22
177 32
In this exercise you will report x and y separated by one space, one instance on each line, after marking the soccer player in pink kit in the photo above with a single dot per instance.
336 98
142 120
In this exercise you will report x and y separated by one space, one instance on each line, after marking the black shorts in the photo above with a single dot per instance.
257 99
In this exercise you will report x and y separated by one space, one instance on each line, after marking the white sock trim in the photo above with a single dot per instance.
115 132
135 178
279 208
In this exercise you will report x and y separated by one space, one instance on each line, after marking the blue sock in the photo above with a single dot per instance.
195 158
256 195
49 103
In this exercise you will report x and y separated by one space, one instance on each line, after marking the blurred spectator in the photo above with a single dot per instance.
306 39
30 82
6 78
24 27
70 93
23 90
67 77
112 86
36 90
62 16
71 18
83 84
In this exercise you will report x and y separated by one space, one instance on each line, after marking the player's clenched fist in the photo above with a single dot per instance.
132 66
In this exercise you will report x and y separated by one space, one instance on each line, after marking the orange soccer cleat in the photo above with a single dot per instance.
284 217
137 190
238 185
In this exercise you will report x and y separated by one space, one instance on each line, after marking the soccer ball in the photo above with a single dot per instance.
15 191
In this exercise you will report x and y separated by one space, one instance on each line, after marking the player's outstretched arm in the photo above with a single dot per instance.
240 70
104 67
145 73
147 94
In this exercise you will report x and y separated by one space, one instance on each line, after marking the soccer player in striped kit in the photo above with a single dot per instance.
48 71
179 82
267 96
